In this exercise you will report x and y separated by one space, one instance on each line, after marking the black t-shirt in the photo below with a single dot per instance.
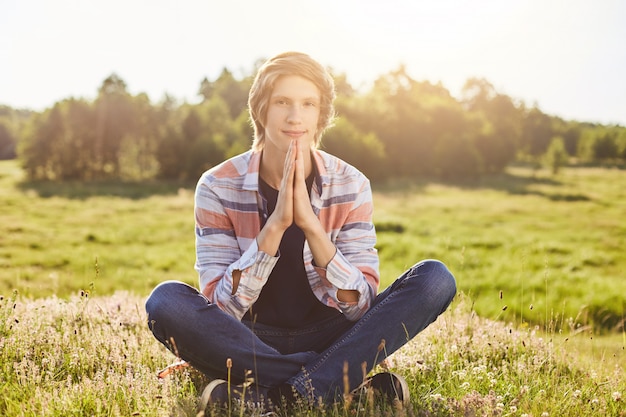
287 300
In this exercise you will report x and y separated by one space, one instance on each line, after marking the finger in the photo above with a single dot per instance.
288 177
301 175
289 159
299 168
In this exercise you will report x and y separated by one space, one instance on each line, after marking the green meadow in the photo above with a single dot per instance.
524 246
537 329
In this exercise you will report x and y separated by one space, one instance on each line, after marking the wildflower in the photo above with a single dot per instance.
576 393
545 414
478 369
465 385
617 396
513 409
461 373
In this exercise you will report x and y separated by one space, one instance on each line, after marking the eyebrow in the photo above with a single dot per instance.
312 98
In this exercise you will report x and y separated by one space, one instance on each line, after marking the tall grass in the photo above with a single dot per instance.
95 356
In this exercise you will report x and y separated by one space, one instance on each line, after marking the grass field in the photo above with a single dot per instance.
537 329
93 356
549 249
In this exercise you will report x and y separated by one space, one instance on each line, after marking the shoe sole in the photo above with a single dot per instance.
399 385
206 394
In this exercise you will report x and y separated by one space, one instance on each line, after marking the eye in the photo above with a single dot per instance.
281 101
310 104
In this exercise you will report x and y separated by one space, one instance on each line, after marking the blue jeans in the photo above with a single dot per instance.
311 359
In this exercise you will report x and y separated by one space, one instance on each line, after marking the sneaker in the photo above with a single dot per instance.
390 387
214 394
218 394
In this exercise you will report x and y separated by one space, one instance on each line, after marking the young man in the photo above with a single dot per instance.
287 264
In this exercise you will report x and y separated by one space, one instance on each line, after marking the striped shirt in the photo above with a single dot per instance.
230 211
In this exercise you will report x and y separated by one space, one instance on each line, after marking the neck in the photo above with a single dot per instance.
270 175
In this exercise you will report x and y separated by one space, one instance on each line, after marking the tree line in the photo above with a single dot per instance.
398 127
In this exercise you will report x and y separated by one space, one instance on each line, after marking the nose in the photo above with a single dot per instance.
293 115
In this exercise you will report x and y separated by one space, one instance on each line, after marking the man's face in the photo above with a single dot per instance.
293 113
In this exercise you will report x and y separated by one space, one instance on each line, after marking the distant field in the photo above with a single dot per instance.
525 247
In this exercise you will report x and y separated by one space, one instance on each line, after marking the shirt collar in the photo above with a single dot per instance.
321 178
251 181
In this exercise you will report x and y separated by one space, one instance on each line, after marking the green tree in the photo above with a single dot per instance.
537 132
621 143
137 153
498 131
198 138
12 124
7 141
556 156
169 154
601 143
40 141
456 158
234 92
393 110
605 147
571 132
115 119
209 147
57 144
173 141
420 125
362 150
343 88
192 126
239 136
75 153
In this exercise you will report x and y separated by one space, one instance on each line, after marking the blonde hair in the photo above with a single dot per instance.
289 63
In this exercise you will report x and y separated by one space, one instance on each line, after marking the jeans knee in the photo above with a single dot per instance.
160 299
440 280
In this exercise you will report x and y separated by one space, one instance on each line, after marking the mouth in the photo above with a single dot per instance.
294 134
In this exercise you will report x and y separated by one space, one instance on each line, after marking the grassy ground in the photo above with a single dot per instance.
87 356
58 239
524 246
542 253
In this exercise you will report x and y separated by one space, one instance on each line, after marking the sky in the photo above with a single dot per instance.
567 57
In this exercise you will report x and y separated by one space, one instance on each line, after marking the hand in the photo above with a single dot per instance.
284 212
303 213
